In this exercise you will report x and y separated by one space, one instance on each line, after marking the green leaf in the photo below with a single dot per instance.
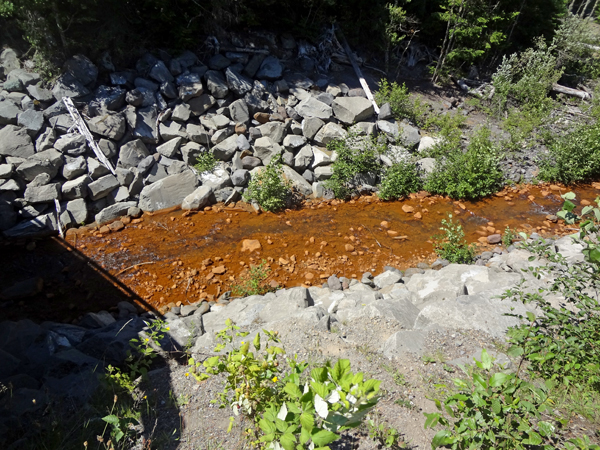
111 419
546 429
304 436
440 439
498 379
267 426
256 341
340 369
515 351
530 316
319 388
281 425
324 437
211 362
496 407
307 421
568 206
293 390
569 196
534 439
486 360
287 441
319 374
432 419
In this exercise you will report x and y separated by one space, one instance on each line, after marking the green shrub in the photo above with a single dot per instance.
287 408
205 163
468 175
268 188
448 128
400 180
573 157
355 155
399 99
254 283
451 244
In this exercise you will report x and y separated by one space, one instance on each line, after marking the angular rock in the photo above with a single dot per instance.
14 141
108 125
216 84
237 82
8 113
43 194
199 105
132 153
303 158
113 212
274 130
409 136
101 187
250 162
265 149
68 86
198 199
171 148
108 98
76 188
225 150
145 125
238 111
330 132
168 192
82 69
32 121
323 173
96 169
297 181
311 126
311 107
240 177
270 69
40 94
350 110
32 168
160 73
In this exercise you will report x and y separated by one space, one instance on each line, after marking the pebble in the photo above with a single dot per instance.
385 224
219 270
407 209
494 239
349 247
250 245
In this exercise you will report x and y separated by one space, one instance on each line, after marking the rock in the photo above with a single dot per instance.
108 98
323 173
274 130
171 130
330 132
113 212
311 107
43 194
293 142
67 85
494 239
385 112
237 82
190 152
168 192
9 61
108 125
160 73
23 289
145 125
270 69
33 167
240 177
82 69
303 158
427 142
197 133
6 171
405 341
225 149
238 111
96 169
32 121
14 141
334 283
101 187
409 135
387 278
73 144
311 126
8 113
250 162
298 181
427 165
40 94
171 148
199 105
350 110
265 149
78 211
216 84
74 167
190 87
76 188
132 153
198 199
321 157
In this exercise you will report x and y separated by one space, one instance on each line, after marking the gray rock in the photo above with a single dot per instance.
74 167
156 172
160 73
108 148
240 177
216 84
385 112
309 176
250 162
171 148
350 110
329 133
8 113
113 212
132 153
298 181
78 211
31 227
334 283
96 169
387 278
405 341
303 158
14 141
221 135
32 121
40 94
68 86
389 128
145 125
427 165
40 180
73 144
76 188
218 62
321 157
101 187
238 111
46 140
6 171
181 113
274 130
33 167
108 98
323 173
409 135
265 149
218 179
61 123
199 105
270 69
168 192
169 90
225 149
43 194
171 130
238 83
190 86
9 61
311 107
108 125
197 133
190 152
198 199
82 69
311 126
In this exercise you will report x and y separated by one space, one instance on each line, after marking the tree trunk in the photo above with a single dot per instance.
594 8
572 92
448 40
585 8
442 50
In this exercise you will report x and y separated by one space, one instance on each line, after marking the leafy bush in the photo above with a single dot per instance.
451 244
573 157
400 180
268 188
355 155
399 99
296 410
205 163
469 175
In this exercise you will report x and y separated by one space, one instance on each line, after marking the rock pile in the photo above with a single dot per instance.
154 121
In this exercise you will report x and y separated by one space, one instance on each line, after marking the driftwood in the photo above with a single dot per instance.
572 92
359 74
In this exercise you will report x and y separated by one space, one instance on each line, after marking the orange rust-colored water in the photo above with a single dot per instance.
197 256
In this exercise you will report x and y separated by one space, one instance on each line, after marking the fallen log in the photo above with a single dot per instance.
572 92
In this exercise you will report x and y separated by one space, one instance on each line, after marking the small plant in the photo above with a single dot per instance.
452 245
508 237
120 426
399 99
355 155
400 180
383 434
268 188
206 162
289 411
254 283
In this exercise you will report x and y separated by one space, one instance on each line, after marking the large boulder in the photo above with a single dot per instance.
113 212
225 149
198 199
311 107
350 110
82 69
266 148
168 192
